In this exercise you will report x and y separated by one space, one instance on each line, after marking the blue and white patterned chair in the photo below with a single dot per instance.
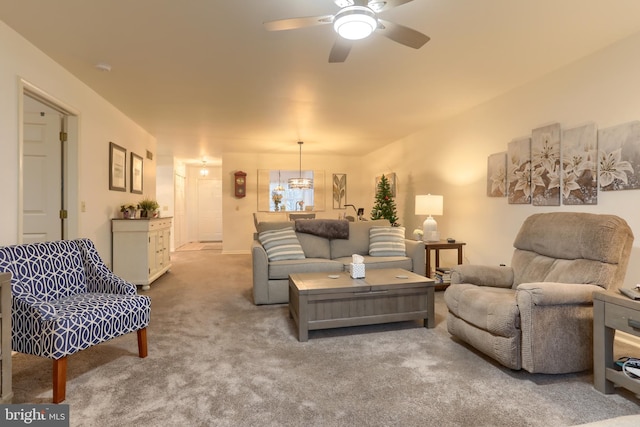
65 299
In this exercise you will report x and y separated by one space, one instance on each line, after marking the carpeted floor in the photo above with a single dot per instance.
215 359
201 246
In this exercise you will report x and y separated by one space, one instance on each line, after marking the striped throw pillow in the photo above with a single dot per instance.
281 244
387 241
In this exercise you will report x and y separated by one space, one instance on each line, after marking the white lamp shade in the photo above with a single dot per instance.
429 205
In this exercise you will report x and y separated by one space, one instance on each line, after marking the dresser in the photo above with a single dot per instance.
141 249
5 338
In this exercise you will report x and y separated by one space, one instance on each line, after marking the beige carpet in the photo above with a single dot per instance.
215 359
201 246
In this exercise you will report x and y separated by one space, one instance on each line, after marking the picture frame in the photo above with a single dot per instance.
136 173
117 167
339 190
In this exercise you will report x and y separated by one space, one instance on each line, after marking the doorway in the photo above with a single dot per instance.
48 168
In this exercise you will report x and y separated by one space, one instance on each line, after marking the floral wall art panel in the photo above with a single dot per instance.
339 190
579 165
519 171
545 165
497 175
619 157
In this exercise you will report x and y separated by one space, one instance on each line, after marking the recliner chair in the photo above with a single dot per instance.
537 314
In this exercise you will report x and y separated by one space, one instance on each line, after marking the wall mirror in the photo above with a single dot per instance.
274 195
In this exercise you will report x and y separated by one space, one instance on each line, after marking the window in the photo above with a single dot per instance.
272 187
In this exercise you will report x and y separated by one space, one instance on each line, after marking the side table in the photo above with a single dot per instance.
437 247
612 311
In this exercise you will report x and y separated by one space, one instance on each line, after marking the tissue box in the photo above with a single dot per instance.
357 271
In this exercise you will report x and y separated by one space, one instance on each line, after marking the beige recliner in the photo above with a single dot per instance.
537 314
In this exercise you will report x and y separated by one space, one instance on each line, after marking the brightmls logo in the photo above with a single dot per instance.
34 415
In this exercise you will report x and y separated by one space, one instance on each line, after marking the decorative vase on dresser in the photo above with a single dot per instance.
141 249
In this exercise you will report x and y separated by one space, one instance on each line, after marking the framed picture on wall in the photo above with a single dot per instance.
117 167
136 173
339 190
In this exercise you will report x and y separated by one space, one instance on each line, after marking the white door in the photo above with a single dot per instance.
42 177
179 211
209 210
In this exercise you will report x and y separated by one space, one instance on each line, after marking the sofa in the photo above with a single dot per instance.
537 313
325 254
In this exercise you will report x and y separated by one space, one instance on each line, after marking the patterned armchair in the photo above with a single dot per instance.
65 299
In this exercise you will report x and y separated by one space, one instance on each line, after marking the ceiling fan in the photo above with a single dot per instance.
356 20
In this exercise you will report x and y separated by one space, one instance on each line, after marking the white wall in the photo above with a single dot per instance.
237 213
450 157
99 123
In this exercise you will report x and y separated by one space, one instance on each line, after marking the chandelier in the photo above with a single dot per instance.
204 171
300 182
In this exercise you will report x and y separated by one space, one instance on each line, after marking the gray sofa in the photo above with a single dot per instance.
271 279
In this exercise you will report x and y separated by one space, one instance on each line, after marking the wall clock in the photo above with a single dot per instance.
240 184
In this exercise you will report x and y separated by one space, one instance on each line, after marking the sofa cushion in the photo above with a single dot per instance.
358 242
279 270
386 241
314 246
281 244
372 262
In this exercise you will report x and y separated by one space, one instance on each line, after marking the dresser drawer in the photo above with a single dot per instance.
622 318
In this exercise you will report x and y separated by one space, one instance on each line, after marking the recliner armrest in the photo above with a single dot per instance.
553 293
483 275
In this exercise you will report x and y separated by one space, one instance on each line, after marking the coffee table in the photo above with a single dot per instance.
319 301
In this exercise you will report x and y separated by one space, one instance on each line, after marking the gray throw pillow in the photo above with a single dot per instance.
387 241
281 244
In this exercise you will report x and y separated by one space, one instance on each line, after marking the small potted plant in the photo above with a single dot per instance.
128 211
148 207
418 233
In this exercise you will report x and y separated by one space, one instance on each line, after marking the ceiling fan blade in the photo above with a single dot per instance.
294 23
380 5
401 34
340 50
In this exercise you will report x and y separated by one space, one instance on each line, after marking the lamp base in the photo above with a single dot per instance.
430 230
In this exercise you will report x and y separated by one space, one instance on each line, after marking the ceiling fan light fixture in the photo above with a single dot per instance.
355 22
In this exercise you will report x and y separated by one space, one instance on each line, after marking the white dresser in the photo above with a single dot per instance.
140 249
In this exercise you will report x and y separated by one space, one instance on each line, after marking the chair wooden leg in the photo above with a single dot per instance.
142 342
59 379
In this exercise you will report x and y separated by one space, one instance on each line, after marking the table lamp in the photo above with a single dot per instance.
429 205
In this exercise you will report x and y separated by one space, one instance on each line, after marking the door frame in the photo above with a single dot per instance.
70 171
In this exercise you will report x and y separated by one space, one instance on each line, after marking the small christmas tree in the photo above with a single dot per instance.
385 207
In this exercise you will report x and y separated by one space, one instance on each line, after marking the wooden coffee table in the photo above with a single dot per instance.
318 301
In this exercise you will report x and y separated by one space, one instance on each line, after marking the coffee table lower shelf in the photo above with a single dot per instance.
318 302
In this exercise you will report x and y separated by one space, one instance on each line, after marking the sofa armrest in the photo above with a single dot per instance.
33 307
260 264
552 293
415 251
482 275
99 277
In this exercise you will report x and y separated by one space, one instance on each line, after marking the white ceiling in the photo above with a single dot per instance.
204 77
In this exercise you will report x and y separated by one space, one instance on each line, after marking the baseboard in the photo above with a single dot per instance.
240 252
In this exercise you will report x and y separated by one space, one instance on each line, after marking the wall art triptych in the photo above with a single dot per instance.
568 166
